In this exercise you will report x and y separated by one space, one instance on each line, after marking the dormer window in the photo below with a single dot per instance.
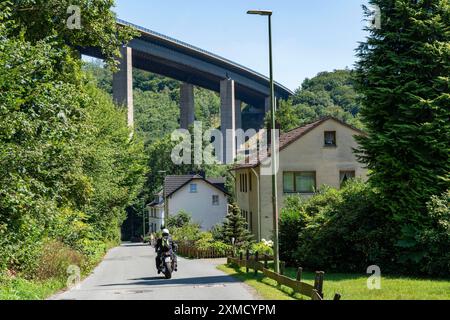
330 138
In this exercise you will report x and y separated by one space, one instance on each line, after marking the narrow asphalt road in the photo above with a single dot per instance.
128 273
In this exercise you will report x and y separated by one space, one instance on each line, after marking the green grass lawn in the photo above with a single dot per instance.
350 286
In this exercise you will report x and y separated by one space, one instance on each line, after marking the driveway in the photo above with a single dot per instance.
128 273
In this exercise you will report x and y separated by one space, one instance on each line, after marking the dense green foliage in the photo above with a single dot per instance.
68 168
435 240
342 230
335 230
403 78
41 19
178 221
327 94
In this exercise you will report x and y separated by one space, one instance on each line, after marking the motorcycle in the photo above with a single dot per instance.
167 264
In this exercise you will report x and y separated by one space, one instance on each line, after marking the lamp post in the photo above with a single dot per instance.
268 14
164 172
143 219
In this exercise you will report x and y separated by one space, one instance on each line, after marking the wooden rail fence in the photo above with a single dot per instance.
315 292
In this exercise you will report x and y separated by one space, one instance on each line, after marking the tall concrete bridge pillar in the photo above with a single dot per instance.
228 120
238 106
267 107
123 83
187 107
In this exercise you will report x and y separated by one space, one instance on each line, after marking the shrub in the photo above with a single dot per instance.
206 241
218 232
436 238
338 230
179 220
182 228
346 231
54 260
292 221
263 248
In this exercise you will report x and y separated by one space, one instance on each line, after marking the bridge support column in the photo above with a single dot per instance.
187 107
267 107
238 106
228 120
123 83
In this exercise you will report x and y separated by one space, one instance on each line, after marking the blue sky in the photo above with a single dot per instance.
310 36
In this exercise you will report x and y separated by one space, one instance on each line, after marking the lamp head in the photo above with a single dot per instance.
260 12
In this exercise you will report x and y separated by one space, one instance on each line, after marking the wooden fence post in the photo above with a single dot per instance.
256 262
266 262
299 274
247 257
282 267
318 282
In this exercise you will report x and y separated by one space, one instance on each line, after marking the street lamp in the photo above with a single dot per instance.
273 133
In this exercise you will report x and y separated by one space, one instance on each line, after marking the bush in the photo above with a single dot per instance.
179 220
436 238
207 242
263 248
338 230
182 228
54 260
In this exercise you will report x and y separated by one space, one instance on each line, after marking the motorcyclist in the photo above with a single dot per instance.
163 245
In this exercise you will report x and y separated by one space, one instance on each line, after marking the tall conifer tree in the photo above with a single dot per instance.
236 227
403 76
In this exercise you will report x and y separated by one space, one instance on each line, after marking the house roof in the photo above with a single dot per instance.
174 183
290 137
157 202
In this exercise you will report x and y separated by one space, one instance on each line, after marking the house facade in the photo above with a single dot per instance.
155 212
206 200
320 153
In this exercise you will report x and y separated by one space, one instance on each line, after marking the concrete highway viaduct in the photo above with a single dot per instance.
157 53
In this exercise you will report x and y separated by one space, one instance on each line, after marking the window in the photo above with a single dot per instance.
215 200
245 182
193 188
330 138
299 182
288 182
344 176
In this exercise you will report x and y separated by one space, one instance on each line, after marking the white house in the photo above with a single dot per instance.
204 199
156 213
